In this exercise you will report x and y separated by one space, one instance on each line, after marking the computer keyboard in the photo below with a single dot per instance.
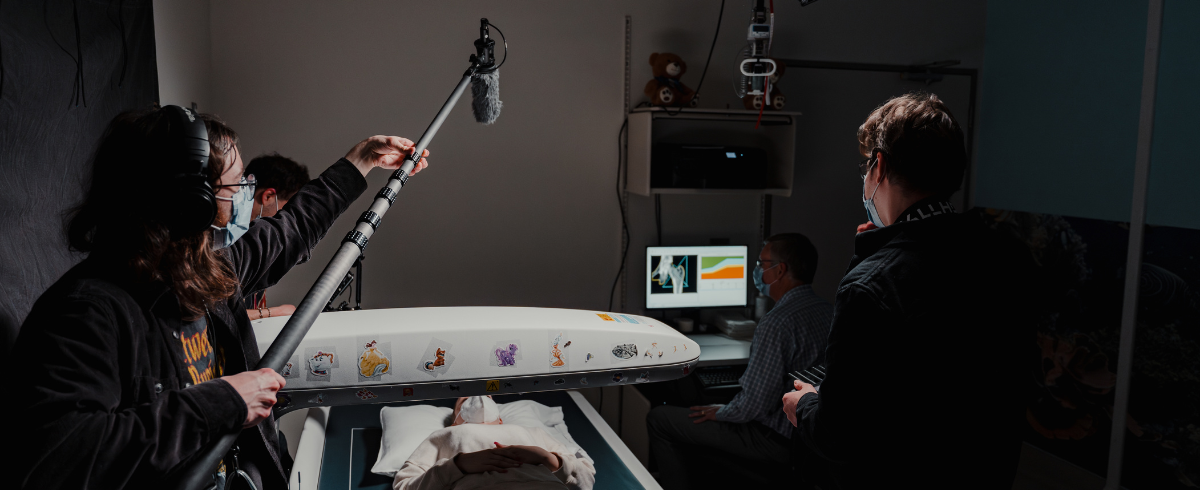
720 375
813 375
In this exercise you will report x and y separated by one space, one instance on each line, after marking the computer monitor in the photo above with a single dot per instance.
696 277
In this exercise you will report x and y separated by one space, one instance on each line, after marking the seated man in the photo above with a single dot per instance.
479 451
791 337
278 179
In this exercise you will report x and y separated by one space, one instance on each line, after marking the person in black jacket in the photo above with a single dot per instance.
139 356
929 327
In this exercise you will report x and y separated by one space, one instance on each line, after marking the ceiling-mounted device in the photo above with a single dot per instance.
754 65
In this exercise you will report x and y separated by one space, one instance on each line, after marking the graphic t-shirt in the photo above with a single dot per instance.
203 363
199 357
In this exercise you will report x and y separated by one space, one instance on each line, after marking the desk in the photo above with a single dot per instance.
719 350
637 400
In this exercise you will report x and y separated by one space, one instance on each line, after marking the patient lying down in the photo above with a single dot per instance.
479 451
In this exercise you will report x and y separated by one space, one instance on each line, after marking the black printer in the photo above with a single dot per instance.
707 167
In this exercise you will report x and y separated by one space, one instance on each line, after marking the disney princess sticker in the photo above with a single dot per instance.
374 360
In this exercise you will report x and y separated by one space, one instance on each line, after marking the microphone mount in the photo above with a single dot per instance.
484 59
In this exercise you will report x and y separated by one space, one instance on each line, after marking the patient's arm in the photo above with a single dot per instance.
575 472
424 470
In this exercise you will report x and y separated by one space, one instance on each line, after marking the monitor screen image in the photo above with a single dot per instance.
696 277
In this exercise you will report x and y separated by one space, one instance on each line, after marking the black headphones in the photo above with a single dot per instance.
187 174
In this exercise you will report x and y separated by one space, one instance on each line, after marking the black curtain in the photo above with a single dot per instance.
68 67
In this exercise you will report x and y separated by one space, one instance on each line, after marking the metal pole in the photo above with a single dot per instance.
196 473
1133 258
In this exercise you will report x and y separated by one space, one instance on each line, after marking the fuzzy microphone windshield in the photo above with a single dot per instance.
485 97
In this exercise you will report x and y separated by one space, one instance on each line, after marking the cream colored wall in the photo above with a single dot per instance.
524 212
183 49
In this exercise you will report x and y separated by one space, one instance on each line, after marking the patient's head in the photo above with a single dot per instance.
476 410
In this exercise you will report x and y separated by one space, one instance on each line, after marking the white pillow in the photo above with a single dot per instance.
405 428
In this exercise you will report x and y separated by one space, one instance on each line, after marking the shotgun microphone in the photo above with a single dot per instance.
485 83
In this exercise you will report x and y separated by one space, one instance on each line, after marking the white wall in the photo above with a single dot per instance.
184 52
524 212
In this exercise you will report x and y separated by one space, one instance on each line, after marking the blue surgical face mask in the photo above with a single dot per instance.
763 288
869 203
239 220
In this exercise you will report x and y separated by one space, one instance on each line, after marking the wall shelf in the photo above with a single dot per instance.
776 134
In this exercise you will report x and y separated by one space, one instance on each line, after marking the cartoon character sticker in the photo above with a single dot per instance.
374 361
506 356
653 352
558 352
643 378
505 353
407 392
366 394
437 359
625 351
320 363
618 377
291 370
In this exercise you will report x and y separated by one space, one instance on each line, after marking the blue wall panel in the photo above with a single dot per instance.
1060 92
1175 154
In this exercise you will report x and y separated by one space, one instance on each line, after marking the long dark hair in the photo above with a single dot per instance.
121 219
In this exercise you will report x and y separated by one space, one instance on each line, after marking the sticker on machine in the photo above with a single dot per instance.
437 358
374 359
292 369
505 353
624 351
319 362
560 352
618 318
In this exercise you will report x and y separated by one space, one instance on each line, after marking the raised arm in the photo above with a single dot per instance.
273 245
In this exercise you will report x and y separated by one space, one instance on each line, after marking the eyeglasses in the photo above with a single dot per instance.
761 262
249 182
864 167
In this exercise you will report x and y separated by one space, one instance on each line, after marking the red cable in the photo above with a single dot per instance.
766 93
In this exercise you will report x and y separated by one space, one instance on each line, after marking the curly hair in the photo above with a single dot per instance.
921 140
122 217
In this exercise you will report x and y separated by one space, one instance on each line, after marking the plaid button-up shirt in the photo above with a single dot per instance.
792 337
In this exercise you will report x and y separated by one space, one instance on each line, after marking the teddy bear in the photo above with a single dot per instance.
666 89
754 102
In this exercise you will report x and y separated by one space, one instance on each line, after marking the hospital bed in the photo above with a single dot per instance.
353 363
